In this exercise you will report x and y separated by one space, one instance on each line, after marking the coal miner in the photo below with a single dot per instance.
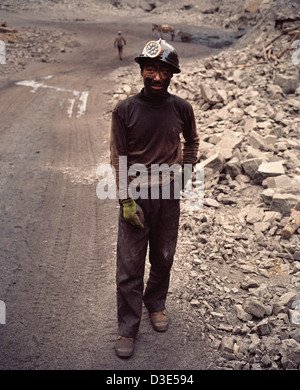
119 43
154 130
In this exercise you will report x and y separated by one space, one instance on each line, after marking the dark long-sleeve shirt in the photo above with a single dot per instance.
149 132
119 41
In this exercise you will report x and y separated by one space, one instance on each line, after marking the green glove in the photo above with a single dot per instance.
186 171
133 213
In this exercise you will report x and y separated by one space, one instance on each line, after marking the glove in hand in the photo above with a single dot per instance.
133 213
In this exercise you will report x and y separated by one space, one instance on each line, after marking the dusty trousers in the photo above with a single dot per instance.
160 233
120 51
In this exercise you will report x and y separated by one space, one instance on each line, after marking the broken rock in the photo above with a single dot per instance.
291 350
263 327
277 182
229 141
209 94
268 169
241 314
251 165
287 299
254 214
227 344
256 308
214 162
288 83
283 203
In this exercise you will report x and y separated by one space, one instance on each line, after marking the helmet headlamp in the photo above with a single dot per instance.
160 51
152 49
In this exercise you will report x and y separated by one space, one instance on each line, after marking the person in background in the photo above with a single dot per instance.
119 43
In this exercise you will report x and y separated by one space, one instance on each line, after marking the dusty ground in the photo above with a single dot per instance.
57 238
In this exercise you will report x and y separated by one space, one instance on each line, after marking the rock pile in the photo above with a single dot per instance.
237 273
25 45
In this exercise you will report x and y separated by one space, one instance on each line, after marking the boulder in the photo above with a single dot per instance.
268 169
283 203
256 308
229 141
288 83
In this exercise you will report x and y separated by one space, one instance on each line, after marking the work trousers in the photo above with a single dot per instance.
120 51
160 233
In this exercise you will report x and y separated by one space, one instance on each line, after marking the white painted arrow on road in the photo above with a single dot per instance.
80 97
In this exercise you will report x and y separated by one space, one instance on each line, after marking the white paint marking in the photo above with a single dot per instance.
70 109
2 53
80 96
82 103
2 313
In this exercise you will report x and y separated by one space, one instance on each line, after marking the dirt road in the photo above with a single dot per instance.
58 240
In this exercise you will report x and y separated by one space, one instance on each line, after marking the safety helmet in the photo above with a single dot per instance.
160 51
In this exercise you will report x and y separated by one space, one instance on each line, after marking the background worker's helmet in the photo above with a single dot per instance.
160 51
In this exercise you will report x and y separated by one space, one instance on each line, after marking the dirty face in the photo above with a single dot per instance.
156 77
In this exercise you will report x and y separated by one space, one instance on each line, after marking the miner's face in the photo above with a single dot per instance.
156 77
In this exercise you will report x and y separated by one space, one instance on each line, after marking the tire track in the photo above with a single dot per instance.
67 249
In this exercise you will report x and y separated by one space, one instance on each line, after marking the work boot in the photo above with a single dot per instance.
124 346
159 321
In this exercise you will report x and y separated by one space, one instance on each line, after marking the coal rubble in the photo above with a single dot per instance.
234 270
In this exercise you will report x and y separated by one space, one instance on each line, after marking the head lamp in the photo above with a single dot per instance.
152 49
160 51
